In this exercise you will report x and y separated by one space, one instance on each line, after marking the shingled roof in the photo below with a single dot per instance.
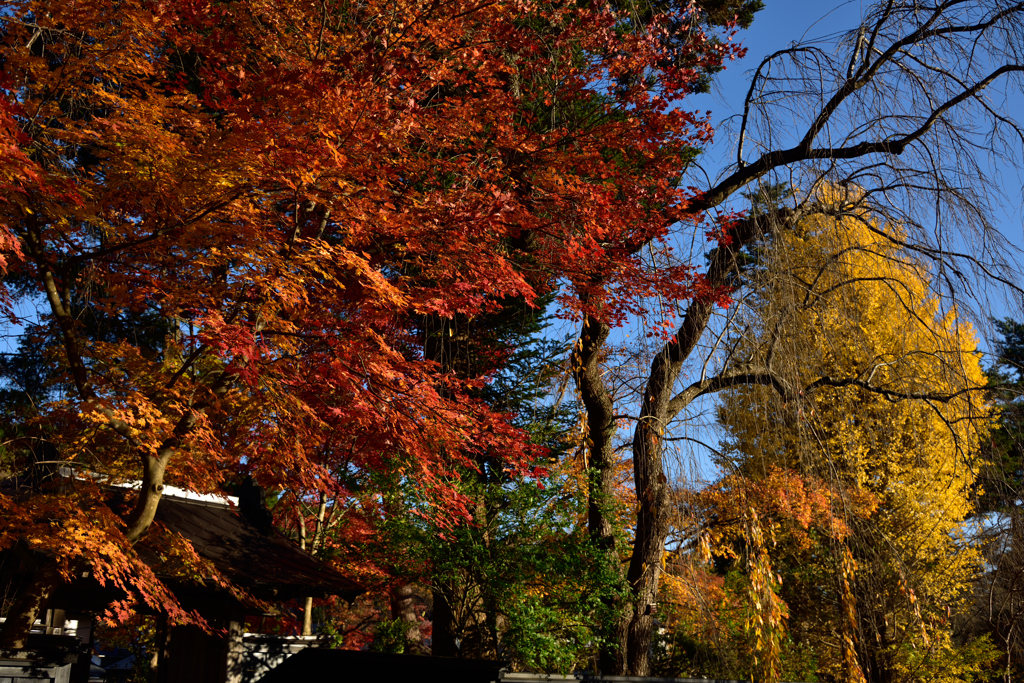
253 555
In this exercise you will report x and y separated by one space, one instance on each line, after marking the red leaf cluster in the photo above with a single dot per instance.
289 187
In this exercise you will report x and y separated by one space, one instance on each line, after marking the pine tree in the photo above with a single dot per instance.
998 605
521 580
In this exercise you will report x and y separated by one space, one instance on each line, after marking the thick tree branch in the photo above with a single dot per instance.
733 377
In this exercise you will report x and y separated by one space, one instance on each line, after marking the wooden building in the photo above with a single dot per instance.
238 537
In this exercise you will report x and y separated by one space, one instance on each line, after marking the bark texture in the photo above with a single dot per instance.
600 409
628 652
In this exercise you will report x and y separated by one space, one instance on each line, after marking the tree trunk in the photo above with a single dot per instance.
628 651
311 546
601 430
403 606
443 342
30 603
144 512
307 616
483 516
443 639
653 502
649 545
659 407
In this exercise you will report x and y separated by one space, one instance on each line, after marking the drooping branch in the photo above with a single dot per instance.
866 71
893 394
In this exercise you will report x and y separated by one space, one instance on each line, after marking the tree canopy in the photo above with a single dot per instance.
263 236
238 215
892 450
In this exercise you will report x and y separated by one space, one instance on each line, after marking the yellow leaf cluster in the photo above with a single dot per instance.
882 398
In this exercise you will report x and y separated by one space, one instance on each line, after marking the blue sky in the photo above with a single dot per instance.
784 22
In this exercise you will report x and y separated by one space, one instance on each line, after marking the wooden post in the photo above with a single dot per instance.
55 621
235 652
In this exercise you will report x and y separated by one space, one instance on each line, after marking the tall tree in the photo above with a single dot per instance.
520 580
839 301
898 109
292 185
998 606
1003 475
287 188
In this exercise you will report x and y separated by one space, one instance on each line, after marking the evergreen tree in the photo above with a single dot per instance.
998 606
520 579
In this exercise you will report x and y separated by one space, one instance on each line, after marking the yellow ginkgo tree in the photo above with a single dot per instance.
878 403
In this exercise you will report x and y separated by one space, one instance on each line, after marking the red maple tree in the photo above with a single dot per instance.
236 214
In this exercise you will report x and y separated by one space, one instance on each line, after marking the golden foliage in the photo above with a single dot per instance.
880 405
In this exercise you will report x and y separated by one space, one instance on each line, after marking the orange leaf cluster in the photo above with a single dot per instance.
284 190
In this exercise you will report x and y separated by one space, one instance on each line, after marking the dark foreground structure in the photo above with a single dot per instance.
328 666
242 543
